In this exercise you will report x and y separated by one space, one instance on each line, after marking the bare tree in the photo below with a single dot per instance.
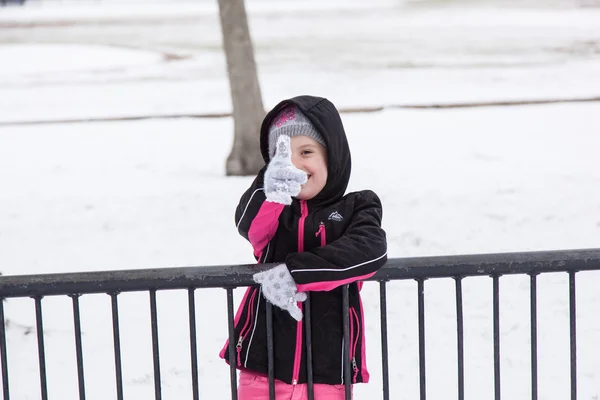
248 110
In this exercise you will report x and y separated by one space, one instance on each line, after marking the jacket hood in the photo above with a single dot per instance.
326 118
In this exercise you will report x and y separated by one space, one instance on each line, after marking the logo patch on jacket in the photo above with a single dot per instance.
335 216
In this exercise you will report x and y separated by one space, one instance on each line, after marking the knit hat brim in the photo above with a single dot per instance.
292 122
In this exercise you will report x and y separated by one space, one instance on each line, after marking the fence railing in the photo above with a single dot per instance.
229 277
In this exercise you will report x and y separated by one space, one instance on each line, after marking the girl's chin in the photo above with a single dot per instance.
303 196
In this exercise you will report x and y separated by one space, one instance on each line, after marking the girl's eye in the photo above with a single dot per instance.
306 152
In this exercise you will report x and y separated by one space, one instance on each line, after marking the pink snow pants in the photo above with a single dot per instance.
256 387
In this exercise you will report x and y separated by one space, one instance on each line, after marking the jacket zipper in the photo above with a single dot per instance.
298 353
245 329
354 335
322 233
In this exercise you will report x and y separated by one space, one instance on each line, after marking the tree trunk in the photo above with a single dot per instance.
248 110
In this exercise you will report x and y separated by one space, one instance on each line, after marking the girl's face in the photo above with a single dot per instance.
310 156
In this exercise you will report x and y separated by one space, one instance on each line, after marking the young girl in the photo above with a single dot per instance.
296 214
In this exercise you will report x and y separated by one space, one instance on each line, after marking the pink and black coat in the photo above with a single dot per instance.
326 242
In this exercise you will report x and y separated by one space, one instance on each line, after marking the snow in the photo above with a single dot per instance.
386 52
149 194
58 58
77 11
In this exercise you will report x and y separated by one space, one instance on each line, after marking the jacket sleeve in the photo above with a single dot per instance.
355 256
249 204
256 219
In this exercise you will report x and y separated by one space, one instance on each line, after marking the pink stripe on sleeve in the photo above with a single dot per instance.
330 285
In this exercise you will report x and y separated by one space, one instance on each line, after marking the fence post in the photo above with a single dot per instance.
41 349
384 340
533 314
78 345
573 333
3 352
496 297
460 338
346 348
117 344
232 369
422 368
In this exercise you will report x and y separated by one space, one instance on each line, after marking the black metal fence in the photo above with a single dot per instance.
230 277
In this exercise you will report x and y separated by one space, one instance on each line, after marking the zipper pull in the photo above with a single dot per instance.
354 366
238 348
321 229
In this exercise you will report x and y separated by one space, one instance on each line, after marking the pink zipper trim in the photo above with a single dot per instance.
303 215
363 370
354 340
323 233
298 354
245 329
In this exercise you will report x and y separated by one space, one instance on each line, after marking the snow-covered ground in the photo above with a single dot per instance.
357 53
120 195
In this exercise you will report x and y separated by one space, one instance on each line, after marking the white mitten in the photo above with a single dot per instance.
280 289
282 180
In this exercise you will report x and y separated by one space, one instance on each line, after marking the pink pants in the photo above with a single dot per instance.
256 387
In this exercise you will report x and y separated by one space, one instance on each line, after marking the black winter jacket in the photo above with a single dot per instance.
326 242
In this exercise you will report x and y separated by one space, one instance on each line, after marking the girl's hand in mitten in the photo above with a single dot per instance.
282 180
279 288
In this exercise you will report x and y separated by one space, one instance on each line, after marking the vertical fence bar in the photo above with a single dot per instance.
155 349
346 350
533 313
270 351
193 343
309 359
573 320
232 361
41 350
117 344
496 296
422 369
3 353
384 340
78 345
460 351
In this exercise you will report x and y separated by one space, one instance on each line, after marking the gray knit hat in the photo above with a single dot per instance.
291 122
